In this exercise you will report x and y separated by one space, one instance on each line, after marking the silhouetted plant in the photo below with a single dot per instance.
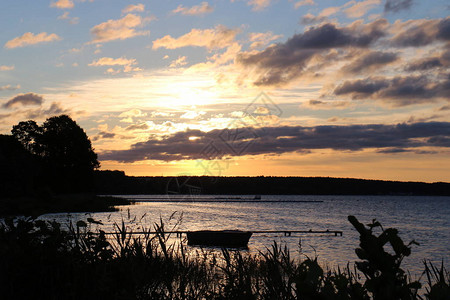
438 281
385 279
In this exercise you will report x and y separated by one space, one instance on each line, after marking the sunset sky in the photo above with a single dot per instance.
238 87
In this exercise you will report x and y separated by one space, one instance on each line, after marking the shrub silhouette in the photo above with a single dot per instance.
385 279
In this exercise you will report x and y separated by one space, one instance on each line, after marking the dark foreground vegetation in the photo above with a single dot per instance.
40 260
116 182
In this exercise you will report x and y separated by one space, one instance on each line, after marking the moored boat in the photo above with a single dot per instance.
222 238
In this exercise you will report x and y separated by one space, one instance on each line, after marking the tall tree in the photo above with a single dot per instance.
64 149
65 145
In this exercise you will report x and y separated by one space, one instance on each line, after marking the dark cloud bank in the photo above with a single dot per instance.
400 90
24 99
284 62
277 140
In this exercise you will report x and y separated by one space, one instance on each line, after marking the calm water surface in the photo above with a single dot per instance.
424 219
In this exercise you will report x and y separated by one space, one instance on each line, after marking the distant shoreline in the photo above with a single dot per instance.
116 182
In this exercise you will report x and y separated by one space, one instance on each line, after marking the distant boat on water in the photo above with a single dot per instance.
222 238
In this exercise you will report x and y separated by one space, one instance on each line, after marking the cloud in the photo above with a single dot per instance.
281 63
128 64
192 115
103 135
279 140
62 4
217 38
120 29
259 39
303 2
9 87
444 29
319 104
180 61
30 39
310 19
201 9
65 16
55 109
136 7
326 12
258 5
362 88
359 9
142 126
108 61
131 114
135 112
424 64
398 91
397 5
6 68
370 61
352 9
24 100
418 33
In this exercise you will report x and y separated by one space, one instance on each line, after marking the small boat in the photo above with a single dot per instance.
222 238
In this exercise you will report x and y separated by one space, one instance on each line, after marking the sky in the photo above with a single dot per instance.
238 87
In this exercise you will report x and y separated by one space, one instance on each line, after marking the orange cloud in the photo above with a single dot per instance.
130 8
200 9
303 2
108 61
259 4
180 61
128 64
260 39
359 9
217 38
30 39
62 4
118 29
6 68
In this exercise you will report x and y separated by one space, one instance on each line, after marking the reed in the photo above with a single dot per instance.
40 260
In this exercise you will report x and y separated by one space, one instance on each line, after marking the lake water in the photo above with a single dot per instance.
424 219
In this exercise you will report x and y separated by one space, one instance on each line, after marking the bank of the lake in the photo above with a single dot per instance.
45 204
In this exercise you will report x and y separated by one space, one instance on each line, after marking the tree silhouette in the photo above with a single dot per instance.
64 149
27 132
65 145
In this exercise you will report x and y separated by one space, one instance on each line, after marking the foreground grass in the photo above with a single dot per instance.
35 206
39 260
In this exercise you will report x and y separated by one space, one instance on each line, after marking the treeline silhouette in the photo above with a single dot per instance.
116 182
